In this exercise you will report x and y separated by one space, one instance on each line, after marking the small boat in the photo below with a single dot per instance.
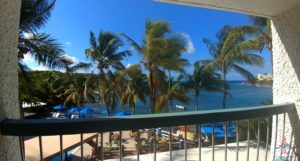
180 107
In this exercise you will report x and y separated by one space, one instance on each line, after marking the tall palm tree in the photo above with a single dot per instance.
106 54
203 78
153 52
173 60
176 91
231 51
136 87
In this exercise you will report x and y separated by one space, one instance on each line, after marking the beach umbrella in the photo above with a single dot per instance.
59 107
123 113
75 110
87 110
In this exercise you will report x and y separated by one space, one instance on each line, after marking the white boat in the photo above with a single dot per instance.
180 107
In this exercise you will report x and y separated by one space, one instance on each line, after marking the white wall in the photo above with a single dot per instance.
286 68
9 22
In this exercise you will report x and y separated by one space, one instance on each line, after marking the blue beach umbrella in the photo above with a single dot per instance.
59 107
87 110
123 113
75 110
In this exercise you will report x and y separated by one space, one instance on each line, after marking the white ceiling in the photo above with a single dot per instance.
267 8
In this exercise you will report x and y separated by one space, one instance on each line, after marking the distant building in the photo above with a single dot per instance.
264 77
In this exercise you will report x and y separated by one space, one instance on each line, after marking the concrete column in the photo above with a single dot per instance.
286 68
9 23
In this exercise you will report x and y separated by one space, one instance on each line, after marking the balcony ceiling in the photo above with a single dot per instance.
266 8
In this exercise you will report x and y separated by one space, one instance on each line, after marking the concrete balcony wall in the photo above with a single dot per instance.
286 70
9 23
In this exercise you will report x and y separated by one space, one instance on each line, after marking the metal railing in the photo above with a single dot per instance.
241 116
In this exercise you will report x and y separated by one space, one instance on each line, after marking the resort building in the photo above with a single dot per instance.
285 138
264 77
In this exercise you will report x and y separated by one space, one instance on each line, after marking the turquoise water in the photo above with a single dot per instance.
242 96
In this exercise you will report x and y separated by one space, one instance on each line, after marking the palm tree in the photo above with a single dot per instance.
43 48
176 91
110 92
232 50
107 56
173 60
153 52
136 87
203 78
78 92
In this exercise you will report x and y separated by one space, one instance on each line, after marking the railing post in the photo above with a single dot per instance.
200 141
213 141
185 143
225 139
138 145
237 140
41 148
61 147
120 145
22 148
81 147
170 143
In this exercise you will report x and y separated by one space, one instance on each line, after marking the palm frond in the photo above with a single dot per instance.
246 74
35 14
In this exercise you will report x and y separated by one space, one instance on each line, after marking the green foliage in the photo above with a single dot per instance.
254 129
50 87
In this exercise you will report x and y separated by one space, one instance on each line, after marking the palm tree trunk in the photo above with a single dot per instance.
170 84
107 110
225 90
170 104
196 102
196 109
151 101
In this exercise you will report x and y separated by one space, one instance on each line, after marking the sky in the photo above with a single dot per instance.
71 22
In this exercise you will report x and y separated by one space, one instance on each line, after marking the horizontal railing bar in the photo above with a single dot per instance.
36 127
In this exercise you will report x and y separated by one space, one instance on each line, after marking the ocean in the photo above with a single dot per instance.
241 96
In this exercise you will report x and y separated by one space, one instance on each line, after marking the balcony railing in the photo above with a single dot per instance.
238 117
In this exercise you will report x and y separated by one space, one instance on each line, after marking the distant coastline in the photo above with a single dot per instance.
262 80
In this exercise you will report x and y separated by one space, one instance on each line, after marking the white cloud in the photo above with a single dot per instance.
28 58
72 58
190 45
40 68
28 35
69 43
128 65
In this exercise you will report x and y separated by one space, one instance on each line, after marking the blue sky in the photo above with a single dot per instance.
71 22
